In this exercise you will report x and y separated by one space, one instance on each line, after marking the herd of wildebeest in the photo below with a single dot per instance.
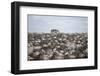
51 46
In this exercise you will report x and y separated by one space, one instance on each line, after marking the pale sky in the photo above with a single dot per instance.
66 24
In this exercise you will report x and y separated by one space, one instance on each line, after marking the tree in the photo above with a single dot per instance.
54 31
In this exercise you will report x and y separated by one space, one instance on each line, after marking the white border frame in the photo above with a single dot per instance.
24 64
